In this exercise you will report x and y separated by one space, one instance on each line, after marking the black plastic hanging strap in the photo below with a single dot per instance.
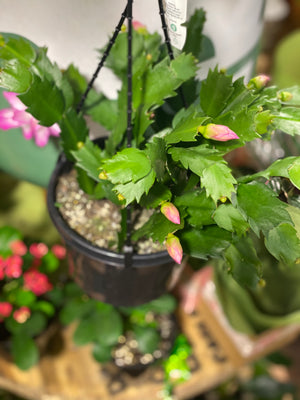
168 44
128 248
102 61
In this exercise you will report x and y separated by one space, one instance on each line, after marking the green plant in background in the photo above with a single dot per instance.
106 326
177 163
27 280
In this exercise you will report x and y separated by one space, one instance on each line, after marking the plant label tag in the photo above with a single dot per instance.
176 11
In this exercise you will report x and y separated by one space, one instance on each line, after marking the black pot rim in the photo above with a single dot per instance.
74 239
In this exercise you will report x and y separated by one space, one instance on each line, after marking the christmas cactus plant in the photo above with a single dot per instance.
177 165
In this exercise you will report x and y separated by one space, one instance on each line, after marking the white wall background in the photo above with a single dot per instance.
74 29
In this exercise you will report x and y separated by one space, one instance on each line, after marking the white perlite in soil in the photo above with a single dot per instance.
98 221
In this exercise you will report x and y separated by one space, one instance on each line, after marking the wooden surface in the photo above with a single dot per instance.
72 374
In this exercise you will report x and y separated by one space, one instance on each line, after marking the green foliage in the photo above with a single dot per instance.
24 351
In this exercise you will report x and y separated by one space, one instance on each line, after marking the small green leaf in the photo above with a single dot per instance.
75 308
185 131
261 207
210 241
130 164
288 120
102 353
294 173
24 298
45 306
24 351
215 92
17 48
218 181
229 218
162 305
283 243
45 101
157 155
32 327
15 77
73 130
89 158
244 263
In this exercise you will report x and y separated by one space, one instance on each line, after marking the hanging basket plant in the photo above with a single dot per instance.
164 159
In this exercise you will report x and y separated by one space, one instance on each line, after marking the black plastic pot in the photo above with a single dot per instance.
101 273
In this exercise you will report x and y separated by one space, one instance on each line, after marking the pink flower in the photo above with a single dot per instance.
217 132
13 268
37 282
170 212
2 267
59 251
18 117
18 247
22 314
258 82
38 250
139 27
5 309
174 248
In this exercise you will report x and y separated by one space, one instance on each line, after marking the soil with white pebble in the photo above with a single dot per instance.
98 221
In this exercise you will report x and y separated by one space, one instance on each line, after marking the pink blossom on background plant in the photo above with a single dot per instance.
22 314
170 212
37 282
13 266
5 309
174 248
220 133
59 251
17 117
139 27
2 268
38 250
18 247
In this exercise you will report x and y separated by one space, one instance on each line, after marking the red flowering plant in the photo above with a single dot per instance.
27 285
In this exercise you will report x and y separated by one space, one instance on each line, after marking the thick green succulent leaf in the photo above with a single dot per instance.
15 77
199 207
218 181
44 101
155 150
186 130
244 264
195 158
283 243
89 158
102 353
288 120
229 218
130 164
208 242
73 131
263 210
134 190
17 48
148 339
24 351
215 92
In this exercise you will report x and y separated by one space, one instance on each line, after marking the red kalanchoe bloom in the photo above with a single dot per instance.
13 268
174 248
217 132
38 250
59 251
37 282
18 247
170 212
22 314
5 309
2 268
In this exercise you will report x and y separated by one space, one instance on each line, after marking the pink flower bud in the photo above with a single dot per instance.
170 212
5 309
38 250
258 82
18 247
174 248
13 268
217 132
59 251
139 27
22 314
